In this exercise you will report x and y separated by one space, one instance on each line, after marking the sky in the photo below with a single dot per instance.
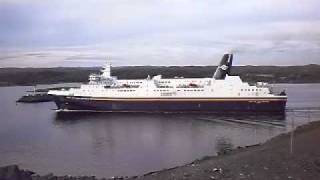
51 33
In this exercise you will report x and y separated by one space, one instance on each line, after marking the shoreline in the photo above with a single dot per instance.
260 161
273 159
271 74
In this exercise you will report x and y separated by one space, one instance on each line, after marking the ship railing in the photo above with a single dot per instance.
128 86
262 84
164 86
187 86
94 77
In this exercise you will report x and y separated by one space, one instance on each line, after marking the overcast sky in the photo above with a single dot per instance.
46 33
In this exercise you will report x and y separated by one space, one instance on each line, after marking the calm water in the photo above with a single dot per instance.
37 138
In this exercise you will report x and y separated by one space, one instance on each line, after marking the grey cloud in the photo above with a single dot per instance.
157 32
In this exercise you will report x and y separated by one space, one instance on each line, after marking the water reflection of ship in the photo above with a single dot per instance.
168 139
259 117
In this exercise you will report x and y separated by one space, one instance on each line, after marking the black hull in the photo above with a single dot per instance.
171 105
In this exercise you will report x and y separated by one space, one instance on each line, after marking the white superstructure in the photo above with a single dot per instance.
105 85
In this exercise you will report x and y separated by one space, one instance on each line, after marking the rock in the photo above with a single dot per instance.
13 172
35 177
219 170
49 176
186 175
317 162
241 176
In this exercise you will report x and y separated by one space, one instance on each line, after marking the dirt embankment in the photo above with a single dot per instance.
273 160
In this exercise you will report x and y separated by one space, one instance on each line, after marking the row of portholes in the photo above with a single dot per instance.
135 82
126 90
251 90
161 90
193 90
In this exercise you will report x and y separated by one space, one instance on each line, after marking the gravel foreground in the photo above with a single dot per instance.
274 159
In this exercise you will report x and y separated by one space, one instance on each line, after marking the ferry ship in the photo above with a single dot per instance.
221 92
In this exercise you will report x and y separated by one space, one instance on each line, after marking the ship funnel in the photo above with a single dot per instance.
106 70
224 67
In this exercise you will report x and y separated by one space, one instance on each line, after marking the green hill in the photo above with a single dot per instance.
272 74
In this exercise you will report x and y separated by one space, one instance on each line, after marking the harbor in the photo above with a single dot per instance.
42 140
159 90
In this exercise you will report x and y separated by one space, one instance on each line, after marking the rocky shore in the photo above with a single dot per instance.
295 155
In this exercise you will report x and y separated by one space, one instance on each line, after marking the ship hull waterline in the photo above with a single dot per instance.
65 103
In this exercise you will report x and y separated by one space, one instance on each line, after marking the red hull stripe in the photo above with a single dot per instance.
179 99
